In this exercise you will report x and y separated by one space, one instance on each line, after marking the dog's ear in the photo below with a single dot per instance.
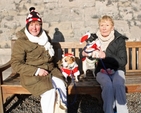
59 64
94 36
73 59
67 58
70 60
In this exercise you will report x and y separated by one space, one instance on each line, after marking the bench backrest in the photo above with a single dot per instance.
133 54
134 58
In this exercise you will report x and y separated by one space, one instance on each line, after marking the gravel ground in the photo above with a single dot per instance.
76 104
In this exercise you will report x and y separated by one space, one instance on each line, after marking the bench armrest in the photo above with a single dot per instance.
3 68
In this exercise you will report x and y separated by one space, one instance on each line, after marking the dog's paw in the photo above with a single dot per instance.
76 80
81 77
84 75
66 79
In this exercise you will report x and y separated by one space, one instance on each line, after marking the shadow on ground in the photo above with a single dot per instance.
31 104
76 104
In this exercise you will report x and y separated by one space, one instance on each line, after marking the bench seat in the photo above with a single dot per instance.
88 85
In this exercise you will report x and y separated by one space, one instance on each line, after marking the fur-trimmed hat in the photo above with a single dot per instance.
68 54
85 37
33 16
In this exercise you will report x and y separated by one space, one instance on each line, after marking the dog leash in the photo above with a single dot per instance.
75 90
86 48
60 92
105 68
115 110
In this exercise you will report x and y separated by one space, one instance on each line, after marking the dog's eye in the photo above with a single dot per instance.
65 60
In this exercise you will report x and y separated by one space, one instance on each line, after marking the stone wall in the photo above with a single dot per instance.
72 17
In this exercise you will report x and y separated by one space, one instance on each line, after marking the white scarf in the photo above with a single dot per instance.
105 40
41 40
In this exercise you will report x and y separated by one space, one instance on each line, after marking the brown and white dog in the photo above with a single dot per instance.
70 67
92 47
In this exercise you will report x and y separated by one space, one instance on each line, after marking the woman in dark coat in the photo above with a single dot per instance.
110 69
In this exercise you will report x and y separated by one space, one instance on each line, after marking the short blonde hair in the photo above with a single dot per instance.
104 18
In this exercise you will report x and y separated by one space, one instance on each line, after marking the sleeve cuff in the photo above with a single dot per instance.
37 72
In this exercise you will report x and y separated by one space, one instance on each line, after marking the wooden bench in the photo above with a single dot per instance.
11 85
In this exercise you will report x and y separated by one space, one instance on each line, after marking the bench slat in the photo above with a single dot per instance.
139 60
133 58
130 44
127 65
14 89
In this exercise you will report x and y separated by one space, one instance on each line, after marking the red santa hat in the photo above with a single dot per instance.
68 54
85 37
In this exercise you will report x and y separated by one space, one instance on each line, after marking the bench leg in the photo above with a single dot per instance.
1 101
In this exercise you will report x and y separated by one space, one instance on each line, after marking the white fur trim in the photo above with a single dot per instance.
77 73
65 74
37 72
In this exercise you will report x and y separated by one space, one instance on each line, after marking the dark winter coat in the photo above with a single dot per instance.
116 55
26 58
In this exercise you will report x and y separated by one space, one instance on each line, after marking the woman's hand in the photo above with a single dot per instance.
102 54
84 53
95 54
43 72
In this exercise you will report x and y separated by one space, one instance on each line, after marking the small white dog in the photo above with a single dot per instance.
92 49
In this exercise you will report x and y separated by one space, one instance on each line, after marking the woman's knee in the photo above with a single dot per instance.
107 87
